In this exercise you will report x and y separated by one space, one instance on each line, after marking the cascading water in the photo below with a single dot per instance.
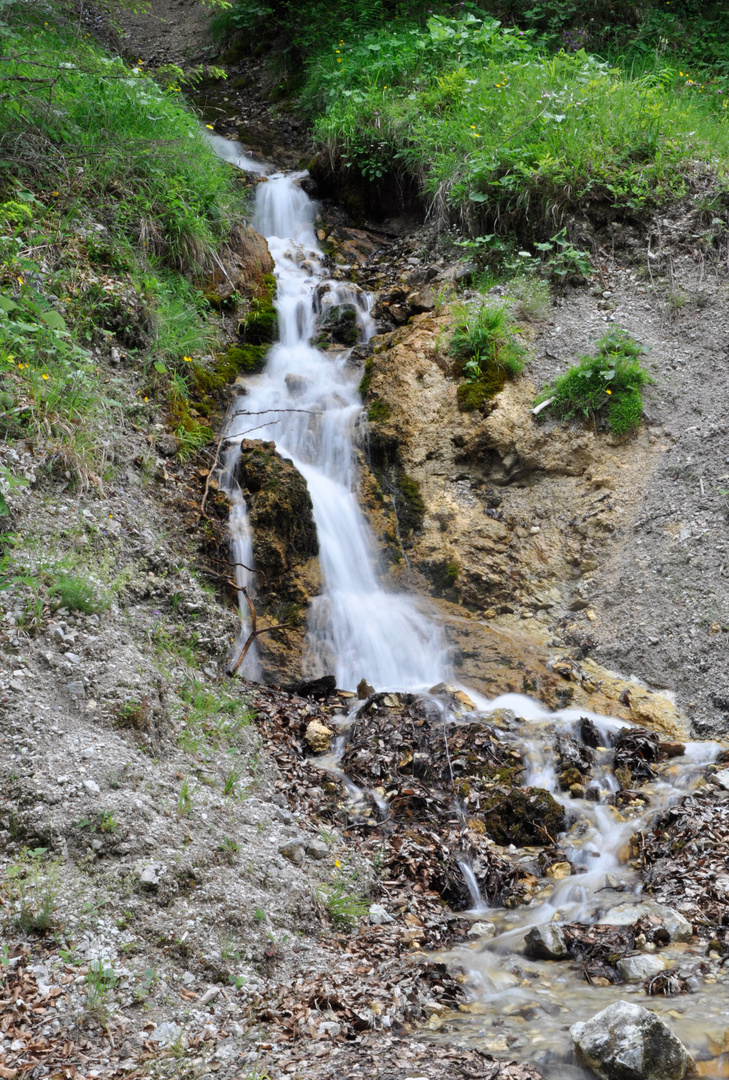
306 401
311 407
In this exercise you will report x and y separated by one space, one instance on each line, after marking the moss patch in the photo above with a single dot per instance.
260 326
379 411
473 395
410 505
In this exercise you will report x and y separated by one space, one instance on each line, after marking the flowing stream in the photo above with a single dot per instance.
307 402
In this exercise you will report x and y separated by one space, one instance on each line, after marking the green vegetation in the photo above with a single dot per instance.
32 885
211 717
339 897
606 388
486 351
498 131
112 209
77 594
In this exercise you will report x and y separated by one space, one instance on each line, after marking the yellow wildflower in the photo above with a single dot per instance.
608 391
44 376
187 359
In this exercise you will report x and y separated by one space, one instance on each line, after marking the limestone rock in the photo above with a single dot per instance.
364 690
318 736
316 849
246 260
379 915
558 871
677 927
482 930
635 969
627 1042
294 851
546 942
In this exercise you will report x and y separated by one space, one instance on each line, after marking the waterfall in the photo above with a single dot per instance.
356 627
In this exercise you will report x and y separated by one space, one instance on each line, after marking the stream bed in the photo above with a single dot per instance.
522 1005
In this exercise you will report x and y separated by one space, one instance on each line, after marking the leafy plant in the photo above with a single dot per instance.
342 903
606 388
34 886
77 594
99 981
185 798
486 351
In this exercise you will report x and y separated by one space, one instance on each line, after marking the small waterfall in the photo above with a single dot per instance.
479 904
356 627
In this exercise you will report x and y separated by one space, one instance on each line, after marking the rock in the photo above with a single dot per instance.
318 736
92 787
364 690
210 994
379 915
316 849
546 942
423 299
558 871
166 1034
464 272
76 688
339 324
482 930
627 1042
635 969
722 779
294 851
464 701
151 875
330 1027
297 384
677 927
316 688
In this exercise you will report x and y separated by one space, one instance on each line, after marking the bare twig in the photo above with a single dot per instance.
542 405
255 632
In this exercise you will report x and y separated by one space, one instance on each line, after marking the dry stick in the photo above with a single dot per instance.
253 634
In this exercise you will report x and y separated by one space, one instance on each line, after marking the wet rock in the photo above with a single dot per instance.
294 851
722 779
316 688
339 324
546 942
677 927
627 1042
318 736
297 384
588 732
364 690
482 930
523 816
634 969
464 701
559 871
635 749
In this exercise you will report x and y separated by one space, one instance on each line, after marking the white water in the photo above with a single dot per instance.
356 628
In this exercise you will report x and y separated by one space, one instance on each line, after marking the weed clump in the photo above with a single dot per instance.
606 388
77 594
486 352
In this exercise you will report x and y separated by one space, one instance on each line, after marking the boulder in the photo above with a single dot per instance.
339 324
546 942
482 930
627 1042
677 927
636 969
318 736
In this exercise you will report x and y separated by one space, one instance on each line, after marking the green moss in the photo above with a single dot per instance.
410 505
260 326
366 381
379 411
248 358
473 395
452 572
523 816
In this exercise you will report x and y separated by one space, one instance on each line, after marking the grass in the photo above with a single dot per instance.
606 388
500 133
112 209
486 351
212 717
339 897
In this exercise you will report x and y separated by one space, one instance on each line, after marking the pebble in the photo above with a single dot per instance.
294 851
379 915
92 787
482 930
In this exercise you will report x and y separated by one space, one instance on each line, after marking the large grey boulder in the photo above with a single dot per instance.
546 942
627 1042
677 927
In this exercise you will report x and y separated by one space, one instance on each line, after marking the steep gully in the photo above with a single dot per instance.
307 402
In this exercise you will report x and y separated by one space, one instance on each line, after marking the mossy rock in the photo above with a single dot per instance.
339 324
281 516
523 816
260 326
247 358
475 393
366 380
410 507
379 411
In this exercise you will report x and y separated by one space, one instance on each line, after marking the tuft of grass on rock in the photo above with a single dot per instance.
486 351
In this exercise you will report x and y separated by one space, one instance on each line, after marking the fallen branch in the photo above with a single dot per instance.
542 405
255 632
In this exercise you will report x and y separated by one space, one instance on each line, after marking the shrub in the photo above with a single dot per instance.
606 388
77 594
486 352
